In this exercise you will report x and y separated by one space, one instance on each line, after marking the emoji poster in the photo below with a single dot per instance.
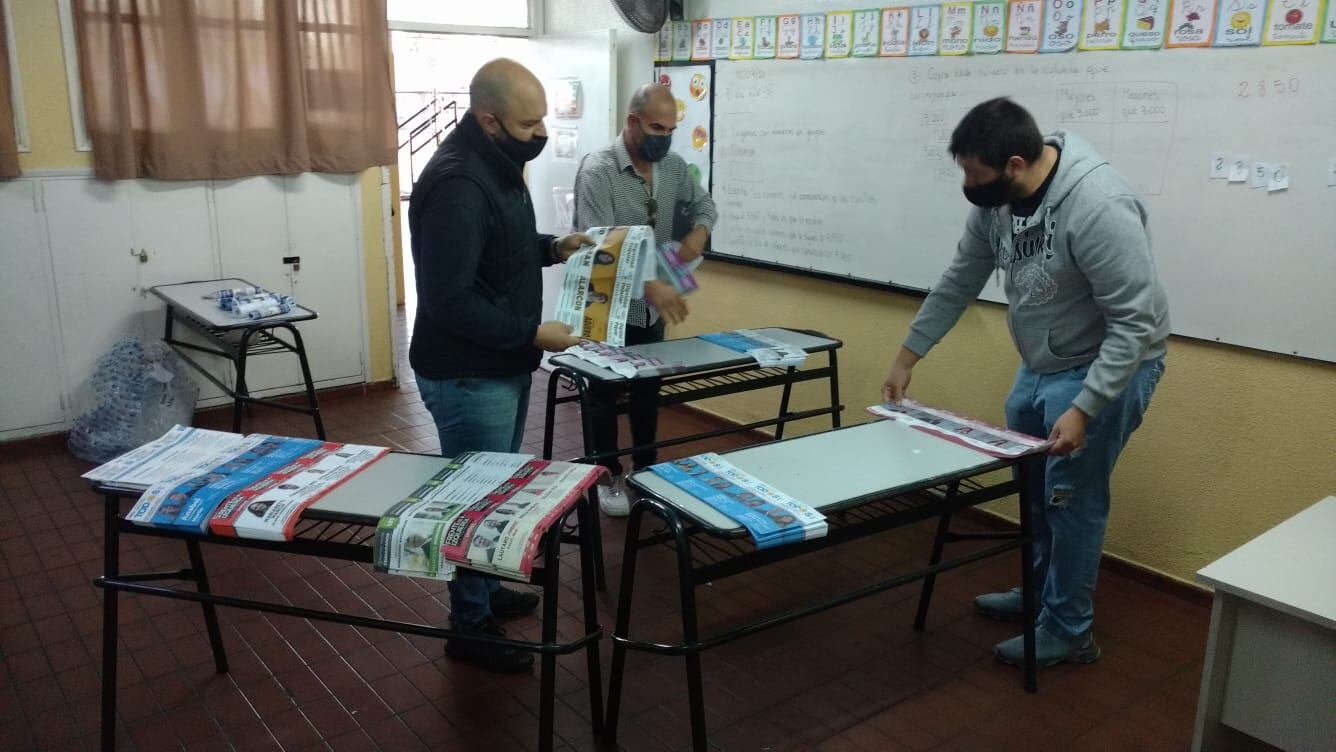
690 86
955 39
1143 24
990 19
1239 24
1023 26
1191 23
1102 24
1292 22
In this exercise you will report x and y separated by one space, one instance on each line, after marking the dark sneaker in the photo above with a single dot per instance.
1049 649
1008 606
491 657
507 602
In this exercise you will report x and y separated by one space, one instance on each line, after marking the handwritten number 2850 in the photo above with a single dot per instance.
1263 88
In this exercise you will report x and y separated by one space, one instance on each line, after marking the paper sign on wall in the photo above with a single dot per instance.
813 41
990 22
681 40
1024 19
866 29
743 39
1219 165
1292 22
663 44
895 32
1060 25
1258 174
1102 24
790 35
1279 178
839 33
1238 168
923 24
700 39
1239 23
1191 23
722 37
956 31
1143 24
767 37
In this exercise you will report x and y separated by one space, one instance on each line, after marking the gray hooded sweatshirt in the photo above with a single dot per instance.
1080 282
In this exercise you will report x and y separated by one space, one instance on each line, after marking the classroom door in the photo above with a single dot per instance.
586 63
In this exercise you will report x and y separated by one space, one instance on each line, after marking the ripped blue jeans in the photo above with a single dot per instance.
1070 495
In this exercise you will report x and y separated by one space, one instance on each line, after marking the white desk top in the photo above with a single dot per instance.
697 354
382 484
189 298
830 468
1291 567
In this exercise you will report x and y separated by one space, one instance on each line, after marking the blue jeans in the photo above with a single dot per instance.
476 415
1069 496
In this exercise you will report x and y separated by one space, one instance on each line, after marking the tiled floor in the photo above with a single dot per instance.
856 678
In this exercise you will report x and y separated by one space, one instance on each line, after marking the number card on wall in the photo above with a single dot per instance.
700 39
1143 25
1191 23
790 36
956 30
1292 22
814 36
866 28
767 36
1060 25
839 33
923 24
1023 25
1240 23
743 39
990 21
1102 24
895 32
723 38
681 40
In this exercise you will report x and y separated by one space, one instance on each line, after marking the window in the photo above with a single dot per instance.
15 86
501 17
72 79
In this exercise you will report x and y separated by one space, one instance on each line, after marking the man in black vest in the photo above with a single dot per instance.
477 339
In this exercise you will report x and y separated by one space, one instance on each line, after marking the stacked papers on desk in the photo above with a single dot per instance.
485 511
623 361
770 516
969 432
252 486
768 352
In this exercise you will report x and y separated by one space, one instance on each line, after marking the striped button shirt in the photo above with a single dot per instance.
609 192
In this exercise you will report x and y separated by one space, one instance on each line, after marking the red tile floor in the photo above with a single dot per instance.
856 678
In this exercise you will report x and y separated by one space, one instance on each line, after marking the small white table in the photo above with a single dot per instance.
1270 668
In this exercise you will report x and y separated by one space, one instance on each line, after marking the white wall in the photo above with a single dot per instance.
635 51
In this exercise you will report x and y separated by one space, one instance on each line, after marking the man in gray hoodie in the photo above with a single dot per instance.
1090 319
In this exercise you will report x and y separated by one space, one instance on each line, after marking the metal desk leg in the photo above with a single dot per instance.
784 406
210 613
547 692
938 544
110 621
834 390
588 508
687 585
594 531
241 394
549 424
306 377
623 627
1023 469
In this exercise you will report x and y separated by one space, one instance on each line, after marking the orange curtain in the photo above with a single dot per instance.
9 148
193 89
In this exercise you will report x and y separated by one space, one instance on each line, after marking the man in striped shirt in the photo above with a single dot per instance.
636 180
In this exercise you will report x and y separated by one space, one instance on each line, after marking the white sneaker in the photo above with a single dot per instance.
612 499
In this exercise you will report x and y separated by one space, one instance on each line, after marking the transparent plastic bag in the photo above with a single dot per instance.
137 392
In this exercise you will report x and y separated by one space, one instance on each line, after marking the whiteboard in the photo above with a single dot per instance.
841 166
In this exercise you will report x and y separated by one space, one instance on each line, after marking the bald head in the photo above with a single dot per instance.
652 95
651 116
505 94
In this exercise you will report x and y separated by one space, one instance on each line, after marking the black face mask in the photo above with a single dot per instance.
989 195
654 147
519 151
